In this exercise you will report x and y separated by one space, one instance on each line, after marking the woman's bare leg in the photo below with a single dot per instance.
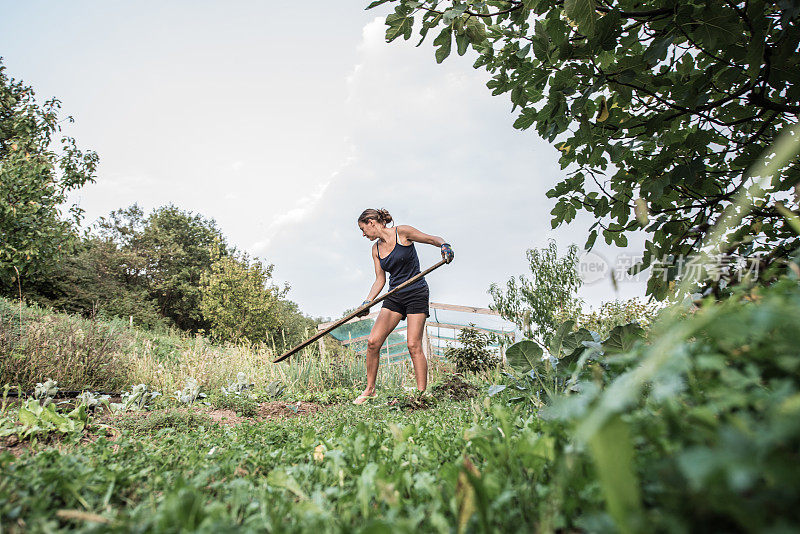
386 322
416 325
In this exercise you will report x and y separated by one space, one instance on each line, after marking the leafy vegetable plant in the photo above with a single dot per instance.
37 420
190 392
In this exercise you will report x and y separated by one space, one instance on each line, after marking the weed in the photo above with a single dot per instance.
152 422
330 396
242 405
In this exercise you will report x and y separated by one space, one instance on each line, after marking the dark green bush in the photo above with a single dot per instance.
474 354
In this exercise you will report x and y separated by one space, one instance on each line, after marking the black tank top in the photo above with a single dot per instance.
402 263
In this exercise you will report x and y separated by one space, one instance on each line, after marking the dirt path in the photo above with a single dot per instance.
266 411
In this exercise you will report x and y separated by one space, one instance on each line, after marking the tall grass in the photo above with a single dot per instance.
110 356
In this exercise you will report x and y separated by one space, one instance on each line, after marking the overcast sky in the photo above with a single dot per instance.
283 121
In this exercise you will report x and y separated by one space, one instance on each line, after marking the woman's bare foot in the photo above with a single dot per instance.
364 397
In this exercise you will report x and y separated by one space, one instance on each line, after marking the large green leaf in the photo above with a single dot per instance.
443 41
622 338
524 355
572 345
33 415
29 413
612 452
556 341
50 415
582 13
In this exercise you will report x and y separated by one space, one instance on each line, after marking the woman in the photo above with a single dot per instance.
394 253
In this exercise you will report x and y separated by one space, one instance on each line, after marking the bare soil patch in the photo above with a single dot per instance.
455 388
279 410
13 445
225 417
266 411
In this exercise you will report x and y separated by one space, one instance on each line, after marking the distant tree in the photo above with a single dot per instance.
36 173
96 281
659 107
178 246
239 300
537 305
166 252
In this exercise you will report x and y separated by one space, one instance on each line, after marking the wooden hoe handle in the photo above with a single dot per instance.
360 309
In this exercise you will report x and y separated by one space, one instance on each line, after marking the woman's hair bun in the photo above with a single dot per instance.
381 215
386 218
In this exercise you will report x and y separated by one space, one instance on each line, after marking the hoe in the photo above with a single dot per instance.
359 310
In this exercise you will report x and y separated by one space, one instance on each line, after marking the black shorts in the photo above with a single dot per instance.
417 301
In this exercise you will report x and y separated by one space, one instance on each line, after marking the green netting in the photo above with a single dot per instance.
352 330
394 346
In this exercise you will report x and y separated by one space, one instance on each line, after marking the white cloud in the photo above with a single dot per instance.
302 208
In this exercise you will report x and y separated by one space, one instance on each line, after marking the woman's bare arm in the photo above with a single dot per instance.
380 276
412 234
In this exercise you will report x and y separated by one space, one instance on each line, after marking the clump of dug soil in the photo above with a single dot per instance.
455 388
413 402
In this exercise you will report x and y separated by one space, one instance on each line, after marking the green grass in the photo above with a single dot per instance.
169 471
152 423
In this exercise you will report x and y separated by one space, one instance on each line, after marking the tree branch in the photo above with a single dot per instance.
760 100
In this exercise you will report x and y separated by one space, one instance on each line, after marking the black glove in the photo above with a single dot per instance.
366 311
447 253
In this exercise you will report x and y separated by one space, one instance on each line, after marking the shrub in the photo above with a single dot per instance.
473 354
537 304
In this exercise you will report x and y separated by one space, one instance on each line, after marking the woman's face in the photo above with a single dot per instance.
370 229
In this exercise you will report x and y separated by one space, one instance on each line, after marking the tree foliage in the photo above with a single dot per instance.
537 305
95 281
171 268
135 265
659 107
37 170
166 252
239 299
179 250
